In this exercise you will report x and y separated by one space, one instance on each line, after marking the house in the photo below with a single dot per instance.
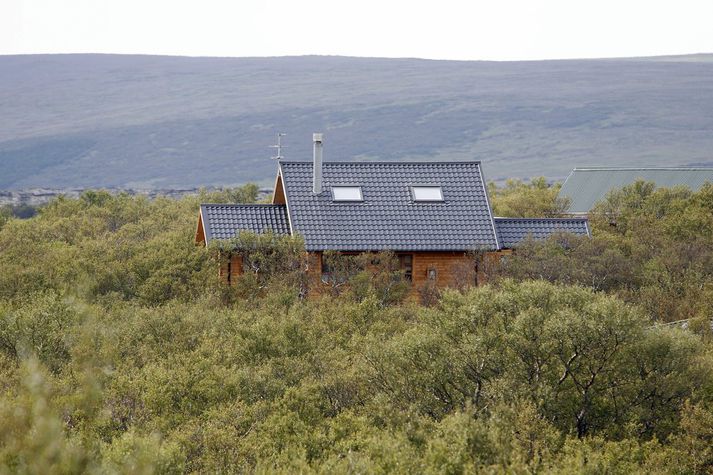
584 187
433 215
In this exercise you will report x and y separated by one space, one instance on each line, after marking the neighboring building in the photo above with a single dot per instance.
431 214
584 187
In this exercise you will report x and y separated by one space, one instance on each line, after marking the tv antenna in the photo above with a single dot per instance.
279 147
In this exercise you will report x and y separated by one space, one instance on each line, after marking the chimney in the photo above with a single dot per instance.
317 170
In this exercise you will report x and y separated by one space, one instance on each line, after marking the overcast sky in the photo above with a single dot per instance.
441 29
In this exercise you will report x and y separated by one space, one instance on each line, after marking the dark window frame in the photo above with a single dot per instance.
325 273
406 265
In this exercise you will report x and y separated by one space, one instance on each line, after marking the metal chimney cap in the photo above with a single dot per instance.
317 137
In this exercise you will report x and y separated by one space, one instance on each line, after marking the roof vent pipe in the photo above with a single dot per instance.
317 170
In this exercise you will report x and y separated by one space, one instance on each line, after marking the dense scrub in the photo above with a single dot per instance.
120 352
651 247
534 199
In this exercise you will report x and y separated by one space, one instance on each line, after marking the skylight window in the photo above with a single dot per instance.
347 193
427 193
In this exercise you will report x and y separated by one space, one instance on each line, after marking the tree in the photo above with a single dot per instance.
120 353
247 193
5 215
268 260
535 199
652 247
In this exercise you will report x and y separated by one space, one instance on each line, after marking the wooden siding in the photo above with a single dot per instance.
230 268
278 196
447 266
200 233
452 269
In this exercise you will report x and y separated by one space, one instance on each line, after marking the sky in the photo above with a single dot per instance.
442 29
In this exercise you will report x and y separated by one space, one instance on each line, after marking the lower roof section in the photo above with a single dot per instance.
512 231
225 221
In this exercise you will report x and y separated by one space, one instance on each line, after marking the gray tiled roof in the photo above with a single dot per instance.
223 221
388 218
512 231
585 186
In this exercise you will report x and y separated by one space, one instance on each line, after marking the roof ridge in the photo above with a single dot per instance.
641 168
386 162
541 219
243 204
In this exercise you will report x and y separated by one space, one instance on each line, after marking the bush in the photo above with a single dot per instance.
120 352
39 325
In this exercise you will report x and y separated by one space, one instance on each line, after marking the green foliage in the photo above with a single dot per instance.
652 247
377 276
579 357
244 194
338 269
518 199
33 438
120 352
493 379
569 259
269 262
695 439
5 215
104 245
381 279
37 326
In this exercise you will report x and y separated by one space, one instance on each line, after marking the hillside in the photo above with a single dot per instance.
162 122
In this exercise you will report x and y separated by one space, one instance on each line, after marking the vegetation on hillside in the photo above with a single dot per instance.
120 352
125 121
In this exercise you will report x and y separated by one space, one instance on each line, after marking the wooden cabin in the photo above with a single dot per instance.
432 215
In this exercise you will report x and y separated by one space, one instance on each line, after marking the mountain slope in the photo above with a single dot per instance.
151 121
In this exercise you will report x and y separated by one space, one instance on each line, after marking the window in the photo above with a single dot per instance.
406 265
339 267
346 193
427 193
326 271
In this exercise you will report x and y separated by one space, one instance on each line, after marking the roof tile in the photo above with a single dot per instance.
512 231
223 221
388 218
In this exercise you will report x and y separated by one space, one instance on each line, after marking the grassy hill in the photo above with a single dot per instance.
159 122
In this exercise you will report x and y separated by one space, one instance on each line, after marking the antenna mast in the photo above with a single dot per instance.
279 147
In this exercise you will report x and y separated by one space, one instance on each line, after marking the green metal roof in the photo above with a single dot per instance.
585 186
